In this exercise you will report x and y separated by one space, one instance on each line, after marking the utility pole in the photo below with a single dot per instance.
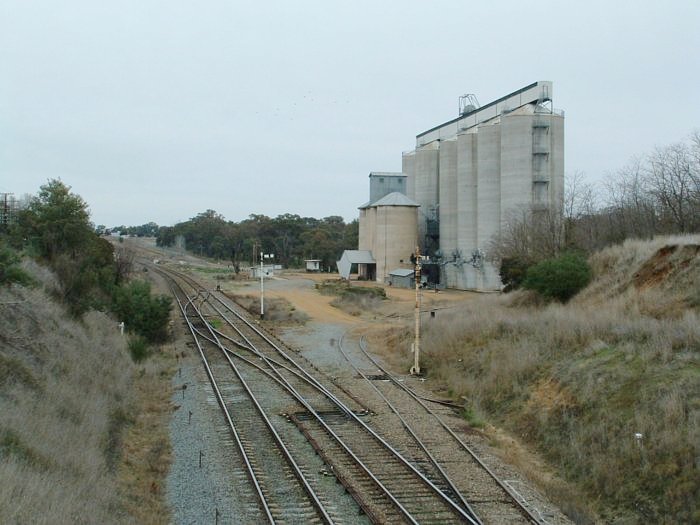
415 369
262 282
262 289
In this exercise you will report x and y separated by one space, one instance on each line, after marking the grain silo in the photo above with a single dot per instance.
465 178
472 173
388 229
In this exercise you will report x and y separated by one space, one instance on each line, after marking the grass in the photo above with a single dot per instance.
578 381
145 449
70 397
352 299
276 309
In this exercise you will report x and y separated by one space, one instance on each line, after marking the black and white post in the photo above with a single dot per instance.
262 282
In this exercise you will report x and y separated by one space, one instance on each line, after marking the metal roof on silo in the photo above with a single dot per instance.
395 199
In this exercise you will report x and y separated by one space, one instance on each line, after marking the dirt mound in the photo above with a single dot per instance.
670 265
665 267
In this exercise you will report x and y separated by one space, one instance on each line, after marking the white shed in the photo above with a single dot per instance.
366 265
268 271
313 265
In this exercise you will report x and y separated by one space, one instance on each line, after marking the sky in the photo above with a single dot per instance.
155 110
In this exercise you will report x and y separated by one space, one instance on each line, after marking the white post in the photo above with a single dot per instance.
262 289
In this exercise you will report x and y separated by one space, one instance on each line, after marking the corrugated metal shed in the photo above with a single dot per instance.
350 257
402 278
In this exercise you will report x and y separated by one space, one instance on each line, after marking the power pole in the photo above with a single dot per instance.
262 289
415 369
262 282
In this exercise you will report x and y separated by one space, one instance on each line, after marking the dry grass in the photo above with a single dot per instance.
71 401
276 309
579 380
146 449
58 430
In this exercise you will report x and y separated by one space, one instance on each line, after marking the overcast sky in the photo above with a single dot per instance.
158 110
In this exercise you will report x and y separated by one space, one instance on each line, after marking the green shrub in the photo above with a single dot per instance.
141 312
512 272
138 348
559 278
10 272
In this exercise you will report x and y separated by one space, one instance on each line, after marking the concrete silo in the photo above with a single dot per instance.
467 177
471 174
388 229
395 233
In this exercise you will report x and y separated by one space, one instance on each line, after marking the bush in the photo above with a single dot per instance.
512 272
559 278
138 348
142 313
10 272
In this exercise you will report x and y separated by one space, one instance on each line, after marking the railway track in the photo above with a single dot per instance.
430 445
386 487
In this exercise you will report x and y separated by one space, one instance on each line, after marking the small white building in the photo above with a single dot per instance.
313 265
268 271
366 265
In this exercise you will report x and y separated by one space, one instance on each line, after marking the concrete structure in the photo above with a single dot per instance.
268 271
366 265
313 265
387 229
471 174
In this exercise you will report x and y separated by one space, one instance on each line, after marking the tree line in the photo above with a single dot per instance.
291 238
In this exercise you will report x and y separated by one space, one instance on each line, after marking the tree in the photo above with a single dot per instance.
672 180
143 314
57 221
529 236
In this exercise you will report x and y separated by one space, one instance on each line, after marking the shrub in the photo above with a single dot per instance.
10 272
142 313
512 272
138 348
559 278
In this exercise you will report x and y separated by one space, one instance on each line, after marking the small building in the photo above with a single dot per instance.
268 271
313 265
402 278
366 265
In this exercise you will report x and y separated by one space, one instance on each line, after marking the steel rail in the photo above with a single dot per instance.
410 430
456 508
528 514
249 468
300 399
311 379
278 439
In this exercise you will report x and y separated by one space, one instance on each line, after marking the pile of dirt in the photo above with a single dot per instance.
672 266
665 266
